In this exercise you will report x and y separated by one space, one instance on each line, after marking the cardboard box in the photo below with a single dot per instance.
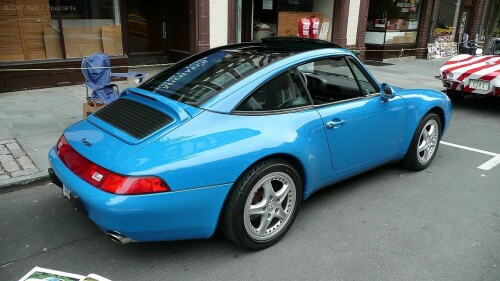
82 41
410 37
52 43
71 42
288 22
90 107
398 39
112 40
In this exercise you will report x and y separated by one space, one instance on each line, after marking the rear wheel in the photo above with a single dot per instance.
424 144
455 96
262 205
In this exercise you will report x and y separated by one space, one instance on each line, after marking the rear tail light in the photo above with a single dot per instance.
118 184
103 178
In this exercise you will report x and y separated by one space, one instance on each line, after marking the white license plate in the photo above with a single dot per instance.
66 192
479 84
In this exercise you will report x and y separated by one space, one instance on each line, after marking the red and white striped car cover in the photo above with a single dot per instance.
472 74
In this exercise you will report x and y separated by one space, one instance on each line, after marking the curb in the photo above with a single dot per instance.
23 181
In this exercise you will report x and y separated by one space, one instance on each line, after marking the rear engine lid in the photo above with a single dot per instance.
126 125
139 115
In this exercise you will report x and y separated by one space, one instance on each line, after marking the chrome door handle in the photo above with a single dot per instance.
335 123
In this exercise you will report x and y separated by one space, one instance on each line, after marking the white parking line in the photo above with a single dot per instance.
485 166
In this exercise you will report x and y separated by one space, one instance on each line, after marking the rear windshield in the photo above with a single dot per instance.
195 81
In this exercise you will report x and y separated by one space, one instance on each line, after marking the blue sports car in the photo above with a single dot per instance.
234 138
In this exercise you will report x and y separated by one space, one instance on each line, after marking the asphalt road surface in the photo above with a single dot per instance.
388 224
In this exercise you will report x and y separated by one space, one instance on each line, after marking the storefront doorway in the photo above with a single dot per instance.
447 21
263 18
492 29
158 31
392 26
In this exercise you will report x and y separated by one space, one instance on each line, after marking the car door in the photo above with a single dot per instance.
362 128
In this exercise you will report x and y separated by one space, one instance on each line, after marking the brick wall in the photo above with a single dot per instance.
423 27
359 51
477 12
361 32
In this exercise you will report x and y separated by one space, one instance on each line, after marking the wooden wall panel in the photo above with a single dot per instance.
21 29
11 43
34 21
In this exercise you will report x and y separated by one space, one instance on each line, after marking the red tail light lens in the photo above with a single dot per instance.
82 167
119 184
103 178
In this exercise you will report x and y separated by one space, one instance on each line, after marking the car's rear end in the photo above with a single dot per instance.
130 206
103 169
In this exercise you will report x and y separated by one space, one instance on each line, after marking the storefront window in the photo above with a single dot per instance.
280 17
445 29
91 26
29 30
25 27
393 22
492 29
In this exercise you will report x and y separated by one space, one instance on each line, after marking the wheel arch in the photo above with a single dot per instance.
226 218
440 113
292 159
413 123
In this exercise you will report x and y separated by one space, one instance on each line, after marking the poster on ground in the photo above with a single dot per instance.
43 274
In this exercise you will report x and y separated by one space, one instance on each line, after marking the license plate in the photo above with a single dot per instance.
479 84
66 192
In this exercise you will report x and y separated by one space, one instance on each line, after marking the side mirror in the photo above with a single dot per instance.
387 92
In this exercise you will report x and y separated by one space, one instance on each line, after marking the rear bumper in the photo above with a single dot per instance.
73 199
178 215
54 178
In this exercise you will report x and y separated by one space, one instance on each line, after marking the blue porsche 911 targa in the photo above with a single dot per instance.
234 138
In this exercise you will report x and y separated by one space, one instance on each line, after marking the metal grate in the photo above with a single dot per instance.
133 118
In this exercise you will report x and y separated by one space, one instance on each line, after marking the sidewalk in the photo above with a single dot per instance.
32 121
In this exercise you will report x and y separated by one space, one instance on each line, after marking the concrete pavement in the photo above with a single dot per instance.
32 121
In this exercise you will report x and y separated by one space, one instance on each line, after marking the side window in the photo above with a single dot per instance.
330 80
367 86
284 91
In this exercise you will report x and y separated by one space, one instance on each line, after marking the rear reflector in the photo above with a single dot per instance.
104 179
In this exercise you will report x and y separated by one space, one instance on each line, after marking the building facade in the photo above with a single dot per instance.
57 34
407 27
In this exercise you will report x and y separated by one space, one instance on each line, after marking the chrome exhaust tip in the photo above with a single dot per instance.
119 238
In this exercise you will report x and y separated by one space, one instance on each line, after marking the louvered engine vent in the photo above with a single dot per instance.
133 118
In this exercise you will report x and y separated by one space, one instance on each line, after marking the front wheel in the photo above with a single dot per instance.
262 205
425 143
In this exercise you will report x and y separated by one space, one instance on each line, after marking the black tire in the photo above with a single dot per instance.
278 174
415 158
455 96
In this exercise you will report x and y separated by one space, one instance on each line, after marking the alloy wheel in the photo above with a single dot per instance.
428 141
270 206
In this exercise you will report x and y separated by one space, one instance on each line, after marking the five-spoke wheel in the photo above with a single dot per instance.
263 204
269 206
424 144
